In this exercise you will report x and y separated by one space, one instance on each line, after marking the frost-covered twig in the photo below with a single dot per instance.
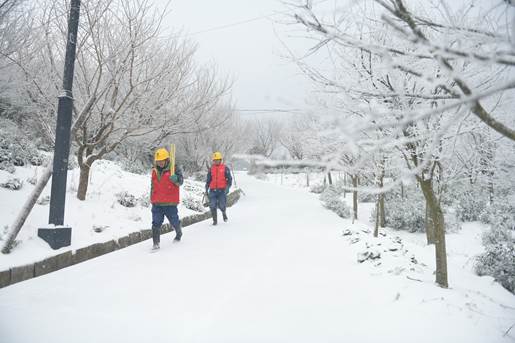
508 331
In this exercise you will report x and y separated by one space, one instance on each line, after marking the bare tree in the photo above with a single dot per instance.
402 85
131 82
265 137
297 136
14 26
220 130
480 46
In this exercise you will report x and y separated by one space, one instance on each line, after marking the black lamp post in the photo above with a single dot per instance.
59 236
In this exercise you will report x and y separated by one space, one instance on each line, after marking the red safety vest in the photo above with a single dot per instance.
163 190
218 180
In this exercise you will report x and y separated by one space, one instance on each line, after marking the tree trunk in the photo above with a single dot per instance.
355 196
83 182
376 227
345 184
307 179
429 226
382 214
380 209
329 178
435 211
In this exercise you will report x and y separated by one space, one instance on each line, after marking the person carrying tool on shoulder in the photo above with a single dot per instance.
164 196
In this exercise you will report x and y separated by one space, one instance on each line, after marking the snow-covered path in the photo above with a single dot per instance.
279 271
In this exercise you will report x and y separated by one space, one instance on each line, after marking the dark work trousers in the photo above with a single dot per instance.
158 214
217 198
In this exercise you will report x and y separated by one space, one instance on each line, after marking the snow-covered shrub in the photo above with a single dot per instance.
501 213
497 261
406 213
192 203
331 199
409 213
12 183
126 199
317 188
328 194
452 222
193 187
469 209
36 160
367 197
498 234
499 256
199 176
15 148
135 167
469 201
7 166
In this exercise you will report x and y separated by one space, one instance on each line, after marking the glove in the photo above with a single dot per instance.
175 179
227 190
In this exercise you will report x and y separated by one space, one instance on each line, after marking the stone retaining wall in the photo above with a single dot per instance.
69 258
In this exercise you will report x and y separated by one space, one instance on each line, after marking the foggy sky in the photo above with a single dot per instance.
250 53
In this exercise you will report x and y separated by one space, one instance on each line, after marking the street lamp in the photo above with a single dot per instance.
58 236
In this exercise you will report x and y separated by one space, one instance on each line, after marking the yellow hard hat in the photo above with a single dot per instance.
217 155
161 154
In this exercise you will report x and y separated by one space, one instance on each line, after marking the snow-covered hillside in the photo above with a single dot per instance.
283 269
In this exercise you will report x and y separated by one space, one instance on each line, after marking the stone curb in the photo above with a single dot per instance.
69 258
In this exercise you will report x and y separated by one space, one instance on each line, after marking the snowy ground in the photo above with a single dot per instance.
281 270
99 209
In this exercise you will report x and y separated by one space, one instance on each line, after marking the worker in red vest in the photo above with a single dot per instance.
219 181
164 196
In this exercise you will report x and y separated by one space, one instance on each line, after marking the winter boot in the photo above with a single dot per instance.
156 235
214 215
178 233
224 215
